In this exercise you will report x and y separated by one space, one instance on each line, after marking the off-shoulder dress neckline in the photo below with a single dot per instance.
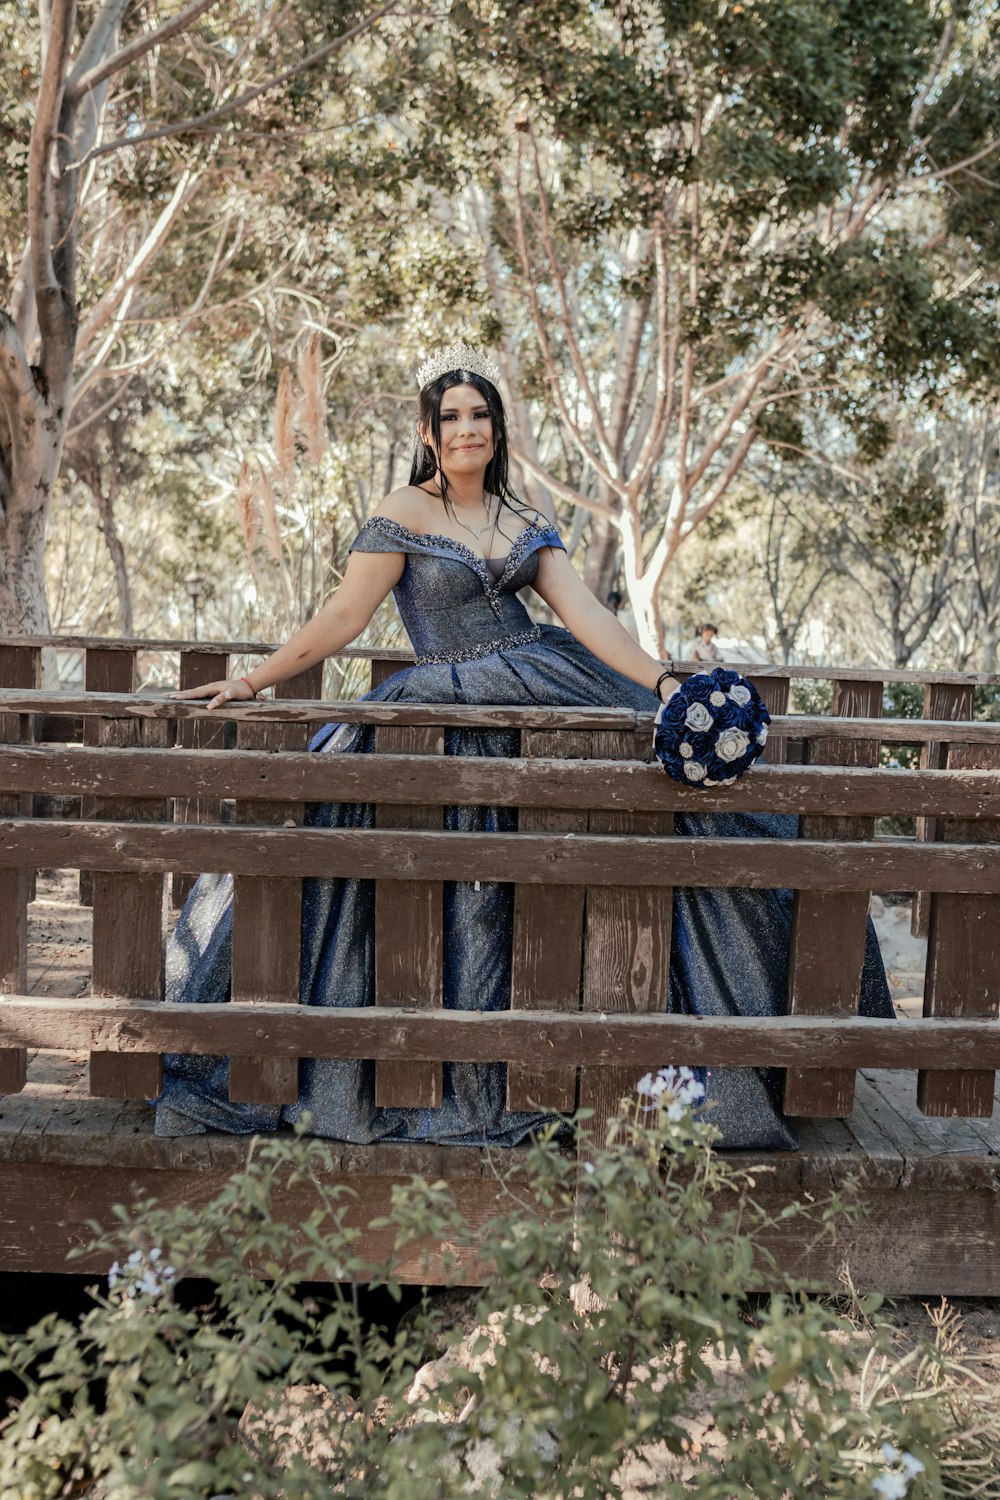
475 560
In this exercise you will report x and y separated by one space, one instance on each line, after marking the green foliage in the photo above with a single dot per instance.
618 1309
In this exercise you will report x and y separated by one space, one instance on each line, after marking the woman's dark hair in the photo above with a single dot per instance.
425 465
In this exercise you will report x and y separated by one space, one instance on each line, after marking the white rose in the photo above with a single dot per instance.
686 749
694 770
717 698
698 718
731 744
762 735
739 693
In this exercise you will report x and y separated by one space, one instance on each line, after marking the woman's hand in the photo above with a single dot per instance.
233 690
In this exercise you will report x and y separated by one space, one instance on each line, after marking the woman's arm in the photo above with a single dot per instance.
595 627
368 578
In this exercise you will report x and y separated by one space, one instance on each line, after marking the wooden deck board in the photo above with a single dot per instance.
929 1219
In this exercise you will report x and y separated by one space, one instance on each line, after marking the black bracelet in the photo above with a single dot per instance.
663 677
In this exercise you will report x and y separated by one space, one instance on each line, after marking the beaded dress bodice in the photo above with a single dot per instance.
452 605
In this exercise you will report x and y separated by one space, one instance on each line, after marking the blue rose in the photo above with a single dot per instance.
702 745
699 688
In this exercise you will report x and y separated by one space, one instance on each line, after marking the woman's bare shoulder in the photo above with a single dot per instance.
409 505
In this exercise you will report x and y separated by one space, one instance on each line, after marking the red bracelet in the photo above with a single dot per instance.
249 685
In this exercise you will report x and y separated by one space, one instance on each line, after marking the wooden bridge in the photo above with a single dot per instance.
165 789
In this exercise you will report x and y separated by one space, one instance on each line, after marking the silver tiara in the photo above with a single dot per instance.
457 357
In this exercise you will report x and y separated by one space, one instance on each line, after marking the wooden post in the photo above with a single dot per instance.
267 914
20 667
942 700
382 668
196 668
104 671
829 929
547 954
409 935
774 691
128 923
626 964
963 957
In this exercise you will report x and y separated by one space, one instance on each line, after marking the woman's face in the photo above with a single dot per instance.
466 431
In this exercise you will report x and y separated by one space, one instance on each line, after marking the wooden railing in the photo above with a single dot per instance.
594 862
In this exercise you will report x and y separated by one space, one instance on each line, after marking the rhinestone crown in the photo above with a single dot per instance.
458 356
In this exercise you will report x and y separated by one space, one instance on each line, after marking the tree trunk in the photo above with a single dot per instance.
23 606
600 563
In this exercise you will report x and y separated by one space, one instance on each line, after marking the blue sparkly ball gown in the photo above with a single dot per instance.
476 644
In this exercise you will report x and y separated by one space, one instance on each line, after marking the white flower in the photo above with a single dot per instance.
694 771
698 717
762 735
687 750
717 698
889 1453
731 744
911 1466
739 693
680 1086
142 1274
891 1485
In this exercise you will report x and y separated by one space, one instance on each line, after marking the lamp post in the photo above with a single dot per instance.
195 585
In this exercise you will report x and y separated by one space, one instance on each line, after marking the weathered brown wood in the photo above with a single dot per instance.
409 936
384 667
20 667
538 859
547 783
829 928
774 691
941 701
963 962
267 919
109 672
626 963
128 929
219 648
263 648
548 934
588 1038
197 668
368 711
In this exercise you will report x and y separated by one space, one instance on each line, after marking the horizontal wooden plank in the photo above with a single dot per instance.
210 648
537 859
542 1038
750 669
475 780
357 711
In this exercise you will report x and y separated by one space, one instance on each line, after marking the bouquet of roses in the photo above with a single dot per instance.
711 729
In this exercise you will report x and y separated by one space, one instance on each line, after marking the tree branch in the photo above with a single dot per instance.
564 491
200 122
81 83
51 300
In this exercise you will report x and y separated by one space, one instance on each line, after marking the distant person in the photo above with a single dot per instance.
705 648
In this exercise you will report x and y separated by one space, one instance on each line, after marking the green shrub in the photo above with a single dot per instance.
617 1310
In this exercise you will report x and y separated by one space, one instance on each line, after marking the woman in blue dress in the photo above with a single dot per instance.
455 547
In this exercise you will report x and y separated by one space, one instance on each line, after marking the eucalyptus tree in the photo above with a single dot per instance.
699 220
133 157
